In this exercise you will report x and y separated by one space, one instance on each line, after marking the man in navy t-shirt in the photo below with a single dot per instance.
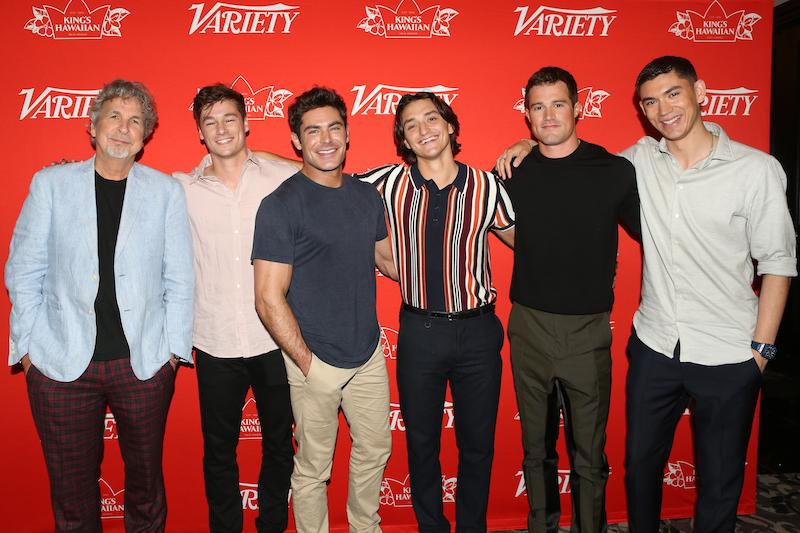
317 240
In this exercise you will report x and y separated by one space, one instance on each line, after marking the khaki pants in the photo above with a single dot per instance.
363 395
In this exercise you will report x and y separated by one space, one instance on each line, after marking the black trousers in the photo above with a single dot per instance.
722 400
466 354
223 384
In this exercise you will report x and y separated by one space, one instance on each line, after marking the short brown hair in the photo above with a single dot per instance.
442 107
211 94
550 76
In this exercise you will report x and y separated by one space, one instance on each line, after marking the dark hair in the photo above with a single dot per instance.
664 65
126 89
550 76
211 94
315 98
442 107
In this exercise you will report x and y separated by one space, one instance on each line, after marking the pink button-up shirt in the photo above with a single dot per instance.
222 221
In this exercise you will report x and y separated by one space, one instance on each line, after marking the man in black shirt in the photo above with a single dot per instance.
569 196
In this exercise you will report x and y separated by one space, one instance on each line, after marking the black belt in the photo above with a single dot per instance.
460 315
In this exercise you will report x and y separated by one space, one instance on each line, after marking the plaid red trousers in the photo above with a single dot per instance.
69 417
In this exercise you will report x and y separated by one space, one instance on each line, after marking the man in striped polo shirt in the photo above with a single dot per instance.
440 213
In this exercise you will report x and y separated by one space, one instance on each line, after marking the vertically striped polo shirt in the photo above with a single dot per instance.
476 203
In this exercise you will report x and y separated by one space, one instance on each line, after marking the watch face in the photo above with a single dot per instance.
769 351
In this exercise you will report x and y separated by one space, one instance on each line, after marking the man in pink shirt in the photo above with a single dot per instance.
233 350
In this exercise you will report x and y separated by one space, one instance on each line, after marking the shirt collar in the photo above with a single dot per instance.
460 182
723 151
198 172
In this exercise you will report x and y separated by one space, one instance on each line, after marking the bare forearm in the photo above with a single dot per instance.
282 325
771 303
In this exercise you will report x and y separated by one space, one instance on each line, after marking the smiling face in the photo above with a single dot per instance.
223 129
552 115
672 105
323 139
119 129
426 132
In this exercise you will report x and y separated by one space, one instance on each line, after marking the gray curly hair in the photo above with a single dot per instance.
127 89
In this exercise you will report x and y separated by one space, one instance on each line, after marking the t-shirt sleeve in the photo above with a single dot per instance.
504 211
380 219
273 237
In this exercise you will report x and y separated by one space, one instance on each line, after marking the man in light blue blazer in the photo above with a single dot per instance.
100 280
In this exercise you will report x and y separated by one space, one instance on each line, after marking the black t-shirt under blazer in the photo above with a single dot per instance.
567 212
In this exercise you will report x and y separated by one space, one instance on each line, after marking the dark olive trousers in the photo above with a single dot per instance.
573 351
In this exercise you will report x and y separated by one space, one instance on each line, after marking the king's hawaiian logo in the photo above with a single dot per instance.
591 100
76 21
395 492
383 99
561 22
407 21
237 19
54 102
389 342
250 428
728 102
715 25
680 475
110 427
112 502
261 104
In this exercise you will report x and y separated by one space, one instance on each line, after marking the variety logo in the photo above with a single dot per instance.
715 25
560 417
591 100
396 422
407 21
53 102
112 502
680 475
728 102
449 486
563 483
559 22
110 427
249 492
389 342
235 19
383 99
76 21
251 425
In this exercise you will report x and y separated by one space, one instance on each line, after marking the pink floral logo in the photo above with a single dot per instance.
715 25
407 21
76 21
591 100
680 475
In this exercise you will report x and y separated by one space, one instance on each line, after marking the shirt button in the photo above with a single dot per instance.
236 232
238 286
680 187
677 215
236 259
94 277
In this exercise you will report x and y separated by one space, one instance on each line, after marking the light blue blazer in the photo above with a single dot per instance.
52 272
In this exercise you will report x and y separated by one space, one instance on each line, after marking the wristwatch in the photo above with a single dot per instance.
767 351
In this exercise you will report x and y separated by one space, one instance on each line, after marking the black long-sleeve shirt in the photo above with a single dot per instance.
567 211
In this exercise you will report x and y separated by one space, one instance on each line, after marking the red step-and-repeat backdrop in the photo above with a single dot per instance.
477 55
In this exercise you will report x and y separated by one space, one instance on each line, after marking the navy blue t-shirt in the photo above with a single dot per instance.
328 235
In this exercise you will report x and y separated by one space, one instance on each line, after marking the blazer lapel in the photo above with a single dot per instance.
87 205
131 207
